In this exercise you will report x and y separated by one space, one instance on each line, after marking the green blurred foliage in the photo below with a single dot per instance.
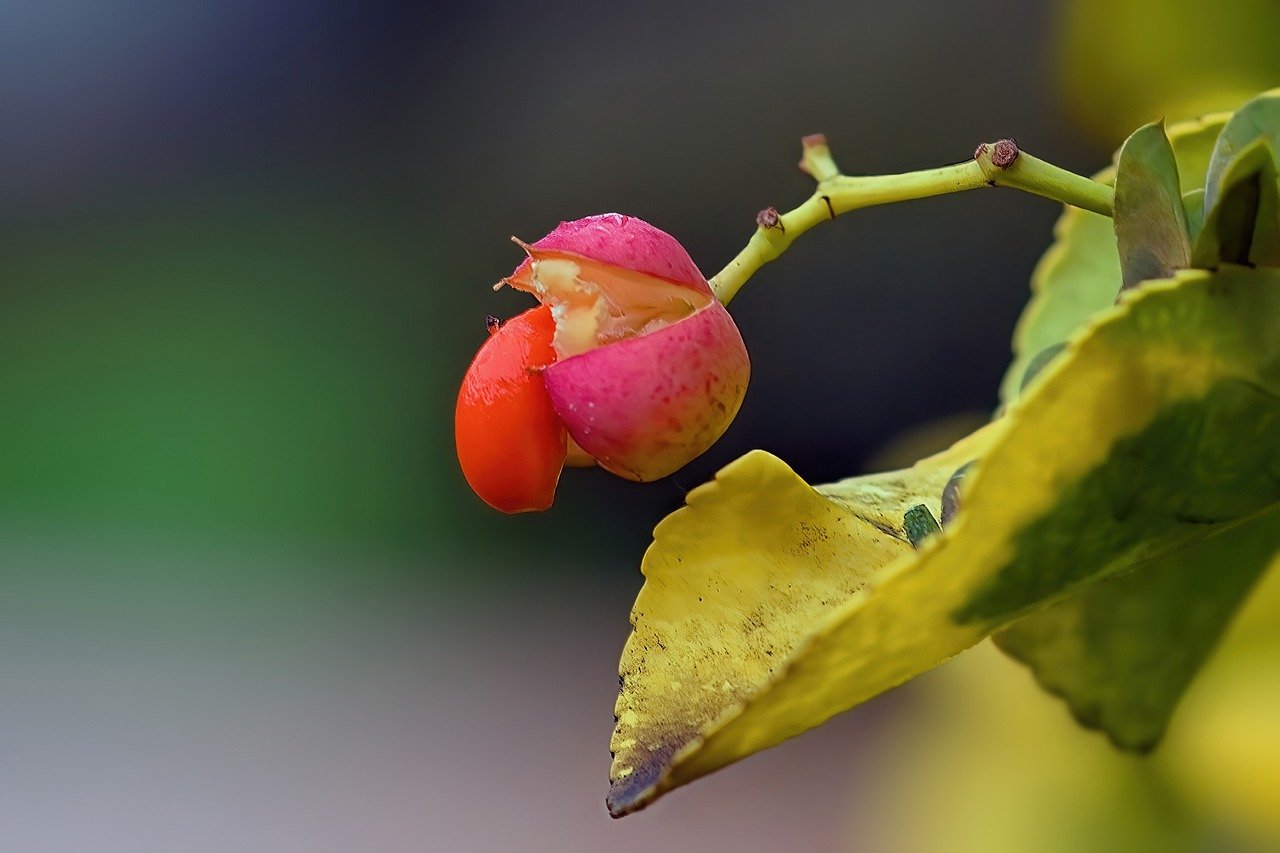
254 361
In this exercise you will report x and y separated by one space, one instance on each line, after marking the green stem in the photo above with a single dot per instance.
998 164
1034 175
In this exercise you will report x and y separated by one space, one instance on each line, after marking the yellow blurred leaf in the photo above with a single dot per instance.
1121 63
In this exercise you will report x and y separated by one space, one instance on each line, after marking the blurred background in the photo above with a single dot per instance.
246 599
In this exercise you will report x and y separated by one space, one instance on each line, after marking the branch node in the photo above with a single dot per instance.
1003 153
769 218
815 161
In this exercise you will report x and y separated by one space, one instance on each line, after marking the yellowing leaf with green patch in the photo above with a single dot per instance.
1158 426
1080 274
1122 651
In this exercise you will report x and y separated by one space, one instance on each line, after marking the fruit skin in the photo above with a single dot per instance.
510 442
646 406
642 406
621 241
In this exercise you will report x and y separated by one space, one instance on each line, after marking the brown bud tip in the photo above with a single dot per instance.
768 218
814 140
980 150
492 323
1003 153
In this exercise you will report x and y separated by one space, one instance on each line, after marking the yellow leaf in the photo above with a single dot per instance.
737 578
1159 425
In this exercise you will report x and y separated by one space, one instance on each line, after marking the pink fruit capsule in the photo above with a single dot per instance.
649 368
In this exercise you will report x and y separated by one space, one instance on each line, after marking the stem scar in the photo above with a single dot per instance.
769 218
1003 153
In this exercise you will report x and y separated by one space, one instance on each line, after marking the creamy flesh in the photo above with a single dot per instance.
595 304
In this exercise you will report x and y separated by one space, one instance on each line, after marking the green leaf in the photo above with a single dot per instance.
1150 223
1193 206
1077 277
1038 364
1080 274
1122 651
1243 227
1257 119
919 524
1160 427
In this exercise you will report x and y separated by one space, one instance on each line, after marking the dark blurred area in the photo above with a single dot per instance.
249 247
246 253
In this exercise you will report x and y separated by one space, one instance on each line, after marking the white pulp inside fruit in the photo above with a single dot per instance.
595 304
